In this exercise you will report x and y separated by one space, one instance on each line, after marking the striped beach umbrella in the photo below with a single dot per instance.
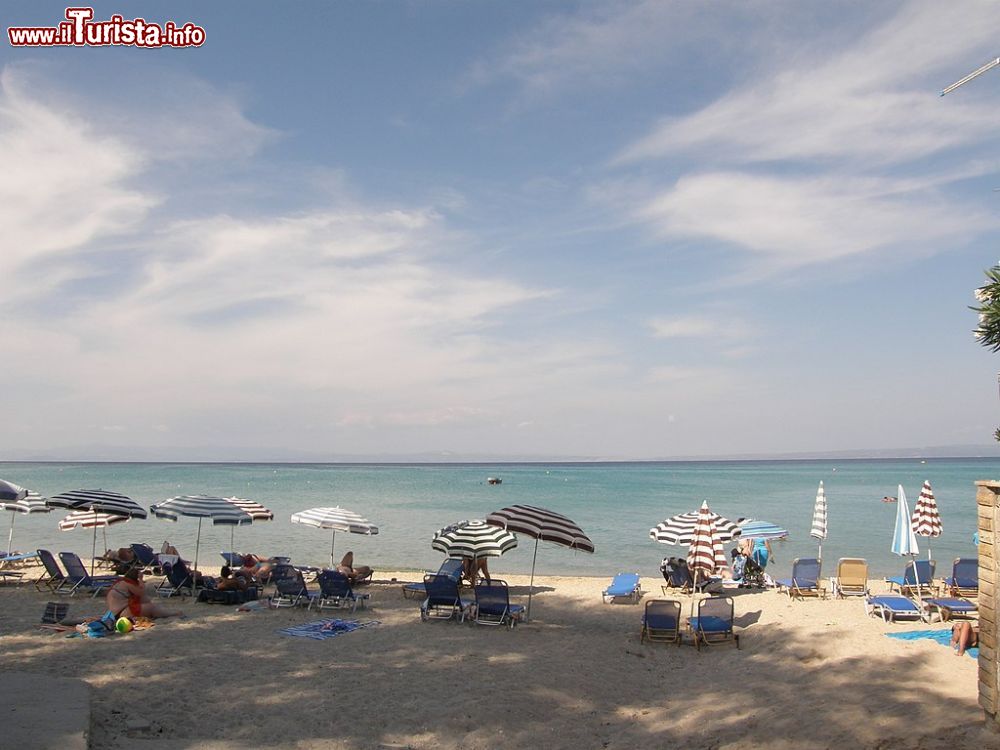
91 519
818 530
544 525
19 500
101 501
926 519
218 510
335 519
751 529
680 529
705 552
255 510
473 539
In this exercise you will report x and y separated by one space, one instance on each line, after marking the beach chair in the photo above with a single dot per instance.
852 577
679 577
964 579
805 579
290 587
714 623
145 557
78 579
178 580
917 579
443 599
451 567
661 622
951 607
53 578
493 605
335 591
623 586
233 559
892 607
8 563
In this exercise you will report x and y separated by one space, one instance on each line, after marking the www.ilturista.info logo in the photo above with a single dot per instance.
80 30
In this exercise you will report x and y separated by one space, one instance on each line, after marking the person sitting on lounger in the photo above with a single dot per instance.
964 635
130 597
229 581
354 574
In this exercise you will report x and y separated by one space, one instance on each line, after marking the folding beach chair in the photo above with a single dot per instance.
233 559
964 579
917 579
335 591
493 605
145 557
892 607
8 563
443 599
78 579
290 587
952 607
661 622
805 579
178 580
451 567
852 577
53 578
714 623
623 586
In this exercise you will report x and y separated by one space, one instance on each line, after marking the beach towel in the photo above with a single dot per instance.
320 630
941 636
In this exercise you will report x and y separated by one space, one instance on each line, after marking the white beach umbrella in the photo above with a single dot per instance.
220 511
818 530
926 519
904 540
102 501
541 524
335 519
19 500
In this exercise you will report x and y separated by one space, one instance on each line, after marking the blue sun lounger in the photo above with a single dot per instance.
964 578
714 623
891 607
335 591
451 567
443 600
949 607
917 578
493 605
623 586
805 579
661 622
78 579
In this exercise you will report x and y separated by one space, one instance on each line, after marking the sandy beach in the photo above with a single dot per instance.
811 674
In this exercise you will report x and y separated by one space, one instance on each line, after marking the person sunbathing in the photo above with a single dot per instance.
964 635
230 581
129 596
354 574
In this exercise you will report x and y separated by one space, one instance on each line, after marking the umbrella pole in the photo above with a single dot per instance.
197 546
232 535
819 554
531 585
333 541
10 536
93 551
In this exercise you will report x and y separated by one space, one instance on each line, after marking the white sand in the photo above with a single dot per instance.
813 674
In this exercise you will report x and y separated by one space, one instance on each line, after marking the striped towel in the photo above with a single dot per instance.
320 630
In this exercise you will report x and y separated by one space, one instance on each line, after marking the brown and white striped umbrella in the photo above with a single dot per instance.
91 519
706 552
926 520
542 524
255 510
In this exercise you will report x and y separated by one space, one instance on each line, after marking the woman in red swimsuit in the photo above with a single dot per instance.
129 594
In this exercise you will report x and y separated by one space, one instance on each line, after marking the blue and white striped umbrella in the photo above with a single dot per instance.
219 510
19 500
751 529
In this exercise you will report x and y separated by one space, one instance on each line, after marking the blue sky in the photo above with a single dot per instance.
609 230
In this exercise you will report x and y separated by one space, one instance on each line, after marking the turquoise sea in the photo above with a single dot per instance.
615 503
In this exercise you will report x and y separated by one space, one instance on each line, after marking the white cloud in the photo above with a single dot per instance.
689 326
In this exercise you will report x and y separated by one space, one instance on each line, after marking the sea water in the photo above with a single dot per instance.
616 504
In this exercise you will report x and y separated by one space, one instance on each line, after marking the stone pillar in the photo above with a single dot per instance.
988 511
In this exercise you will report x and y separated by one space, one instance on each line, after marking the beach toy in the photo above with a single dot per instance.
124 625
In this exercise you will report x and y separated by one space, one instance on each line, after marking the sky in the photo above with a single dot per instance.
525 229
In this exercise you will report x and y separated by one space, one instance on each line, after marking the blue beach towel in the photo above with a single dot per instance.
320 630
941 636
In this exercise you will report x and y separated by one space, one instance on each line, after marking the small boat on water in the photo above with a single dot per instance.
493 480
888 499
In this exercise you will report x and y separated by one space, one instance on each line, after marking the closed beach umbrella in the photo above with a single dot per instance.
255 510
19 500
680 529
544 525
91 519
101 501
904 540
218 510
751 529
705 553
926 520
473 539
818 530
336 519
